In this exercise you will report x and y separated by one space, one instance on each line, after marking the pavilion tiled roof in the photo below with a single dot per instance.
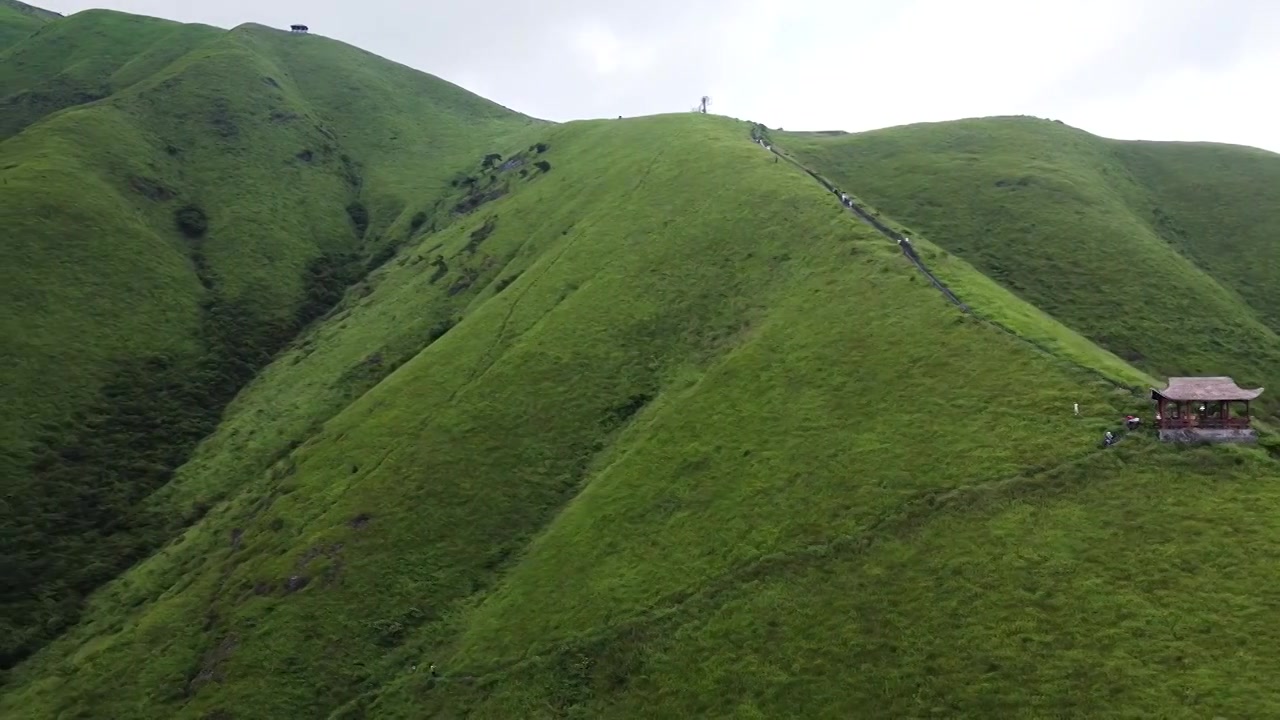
1205 389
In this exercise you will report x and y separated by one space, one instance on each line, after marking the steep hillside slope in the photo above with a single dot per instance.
1217 205
1164 253
664 431
87 57
19 20
162 242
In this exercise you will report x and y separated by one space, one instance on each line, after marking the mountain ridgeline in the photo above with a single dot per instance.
19 20
334 390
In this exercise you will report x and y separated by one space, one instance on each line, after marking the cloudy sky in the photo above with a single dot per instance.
1150 69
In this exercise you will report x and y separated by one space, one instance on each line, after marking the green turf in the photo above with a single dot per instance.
658 430
101 287
19 21
85 58
1217 206
1064 595
1163 253
491 507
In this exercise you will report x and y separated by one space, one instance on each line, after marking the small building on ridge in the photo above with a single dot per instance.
1200 409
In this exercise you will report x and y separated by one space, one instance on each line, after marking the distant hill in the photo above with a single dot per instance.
339 391
19 20
31 10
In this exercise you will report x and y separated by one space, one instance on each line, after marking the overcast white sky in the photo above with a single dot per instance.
1148 69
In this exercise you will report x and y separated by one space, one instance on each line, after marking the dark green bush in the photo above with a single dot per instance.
192 221
438 330
480 234
543 165
504 283
382 256
359 216
326 279
442 269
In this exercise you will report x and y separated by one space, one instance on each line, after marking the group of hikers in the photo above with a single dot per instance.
767 146
1131 423
904 242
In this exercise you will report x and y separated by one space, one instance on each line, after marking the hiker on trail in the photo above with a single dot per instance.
1077 405
1108 438
1132 421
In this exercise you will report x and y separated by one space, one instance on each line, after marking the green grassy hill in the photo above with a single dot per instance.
601 419
19 21
85 58
641 465
164 241
1164 253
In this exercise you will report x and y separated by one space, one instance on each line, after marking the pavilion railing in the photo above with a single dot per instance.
1208 423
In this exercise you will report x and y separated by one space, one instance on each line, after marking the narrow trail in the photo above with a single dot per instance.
899 521
909 252
867 217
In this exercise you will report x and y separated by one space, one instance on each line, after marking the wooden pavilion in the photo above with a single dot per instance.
1191 409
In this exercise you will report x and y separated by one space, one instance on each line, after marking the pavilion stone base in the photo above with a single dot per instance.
1212 435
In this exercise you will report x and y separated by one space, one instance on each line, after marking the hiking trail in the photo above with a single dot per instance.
864 214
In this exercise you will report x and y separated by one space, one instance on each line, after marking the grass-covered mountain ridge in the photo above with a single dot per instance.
334 390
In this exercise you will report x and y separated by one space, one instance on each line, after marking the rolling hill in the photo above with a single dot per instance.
19 20
166 235
345 393
1164 253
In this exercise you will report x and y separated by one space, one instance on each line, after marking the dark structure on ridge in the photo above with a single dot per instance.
300 29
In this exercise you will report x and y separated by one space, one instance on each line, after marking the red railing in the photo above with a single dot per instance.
1208 423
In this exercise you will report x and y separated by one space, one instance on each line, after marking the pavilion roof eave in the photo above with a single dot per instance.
1204 389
